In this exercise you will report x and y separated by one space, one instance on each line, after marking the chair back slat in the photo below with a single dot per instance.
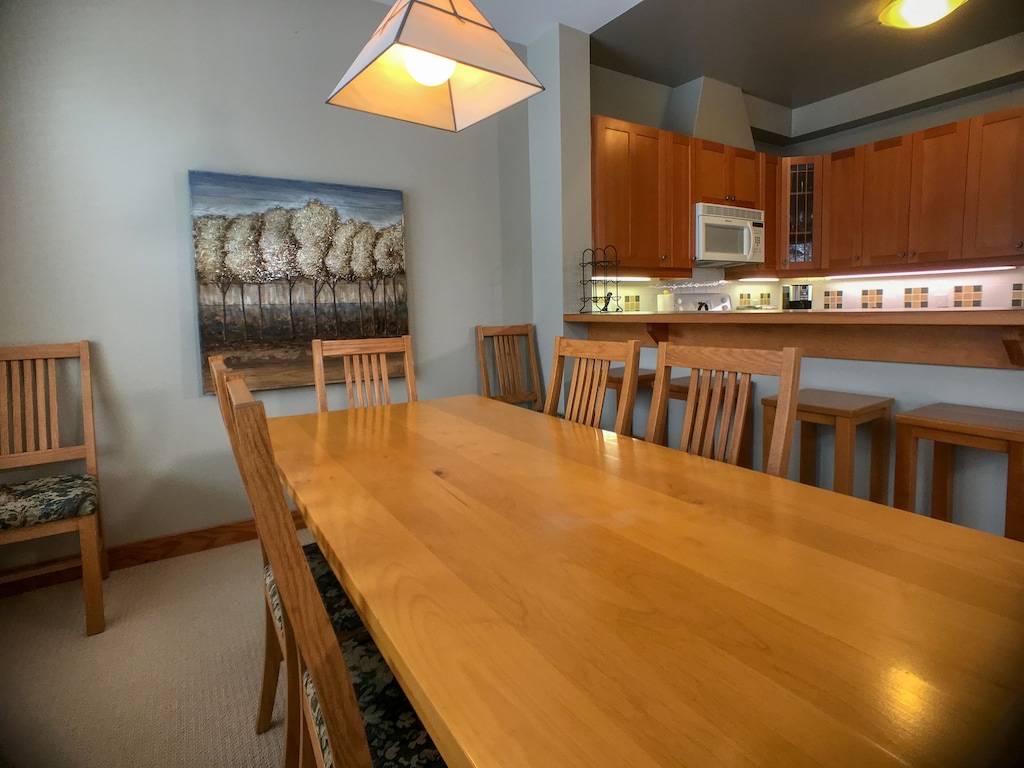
719 404
365 364
513 360
591 364
31 401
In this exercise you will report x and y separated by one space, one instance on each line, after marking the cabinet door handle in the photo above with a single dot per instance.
856 258
1020 243
913 254
900 255
664 257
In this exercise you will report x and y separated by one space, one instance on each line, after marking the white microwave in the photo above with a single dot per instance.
728 237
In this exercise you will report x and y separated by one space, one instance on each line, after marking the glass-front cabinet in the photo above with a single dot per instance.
801 213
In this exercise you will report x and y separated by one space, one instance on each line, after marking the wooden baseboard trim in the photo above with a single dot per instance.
139 553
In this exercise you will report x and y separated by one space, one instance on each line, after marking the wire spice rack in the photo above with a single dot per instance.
600 280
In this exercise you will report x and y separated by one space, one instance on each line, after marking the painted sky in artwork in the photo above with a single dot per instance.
229 195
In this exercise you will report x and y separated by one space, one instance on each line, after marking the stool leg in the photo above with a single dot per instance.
880 459
808 453
846 438
1015 492
905 485
942 482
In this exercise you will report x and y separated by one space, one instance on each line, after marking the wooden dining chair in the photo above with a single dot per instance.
278 641
592 361
40 386
720 400
366 369
511 346
354 712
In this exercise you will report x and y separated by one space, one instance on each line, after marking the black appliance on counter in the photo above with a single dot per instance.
797 296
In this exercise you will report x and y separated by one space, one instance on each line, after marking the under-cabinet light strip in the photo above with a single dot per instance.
922 272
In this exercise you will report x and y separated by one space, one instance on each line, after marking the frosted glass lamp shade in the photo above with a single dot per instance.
911 14
478 73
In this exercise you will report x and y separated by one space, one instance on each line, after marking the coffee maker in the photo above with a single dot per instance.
796 296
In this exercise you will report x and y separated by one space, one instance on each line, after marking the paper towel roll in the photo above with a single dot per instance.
666 302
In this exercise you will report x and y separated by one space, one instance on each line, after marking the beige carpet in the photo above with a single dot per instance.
173 681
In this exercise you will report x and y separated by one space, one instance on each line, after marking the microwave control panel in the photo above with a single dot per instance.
757 232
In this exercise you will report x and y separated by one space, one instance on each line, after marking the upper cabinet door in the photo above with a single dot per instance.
886 200
842 208
746 171
677 214
994 206
626 190
727 175
800 239
938 181
641 194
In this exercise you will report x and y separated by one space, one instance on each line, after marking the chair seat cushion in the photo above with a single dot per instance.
343 615
393 730
47 499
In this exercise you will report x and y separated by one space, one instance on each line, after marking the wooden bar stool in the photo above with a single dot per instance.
845 411
949 425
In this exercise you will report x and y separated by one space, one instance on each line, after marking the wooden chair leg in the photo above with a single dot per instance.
905 485
92 574
272 658
880 458
808 453
942 482
307 757
104 560
1014 527
293 719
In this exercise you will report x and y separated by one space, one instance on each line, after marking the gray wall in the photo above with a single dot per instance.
108 104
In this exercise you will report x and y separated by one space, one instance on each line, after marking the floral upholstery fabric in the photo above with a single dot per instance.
342 613
46 499
395 734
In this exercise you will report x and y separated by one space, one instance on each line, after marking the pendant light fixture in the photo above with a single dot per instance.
438 63
911 14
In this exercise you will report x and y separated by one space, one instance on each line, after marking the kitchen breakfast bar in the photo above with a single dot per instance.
979 338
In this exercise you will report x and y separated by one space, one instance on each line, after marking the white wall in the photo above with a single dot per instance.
108 104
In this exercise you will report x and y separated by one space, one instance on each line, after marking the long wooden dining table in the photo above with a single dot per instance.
550 594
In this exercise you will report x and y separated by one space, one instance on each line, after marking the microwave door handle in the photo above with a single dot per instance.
748 241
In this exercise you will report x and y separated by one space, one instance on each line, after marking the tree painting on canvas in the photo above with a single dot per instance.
279 263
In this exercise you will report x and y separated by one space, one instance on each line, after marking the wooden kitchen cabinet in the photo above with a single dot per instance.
842 209
773 222
994 202
800 212
886 201
938 180
727 175
640 188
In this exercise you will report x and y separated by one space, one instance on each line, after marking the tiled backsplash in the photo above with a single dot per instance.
990 290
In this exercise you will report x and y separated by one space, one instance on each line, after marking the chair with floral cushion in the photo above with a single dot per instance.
45 422
355 712
279 645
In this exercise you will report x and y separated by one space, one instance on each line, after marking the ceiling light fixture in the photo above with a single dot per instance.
911 14
922 272
438 63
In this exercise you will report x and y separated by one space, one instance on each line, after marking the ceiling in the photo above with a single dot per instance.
790 52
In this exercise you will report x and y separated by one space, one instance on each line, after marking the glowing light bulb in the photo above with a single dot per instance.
911 14
427 68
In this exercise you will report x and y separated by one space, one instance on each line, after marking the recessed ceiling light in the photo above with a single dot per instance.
911 14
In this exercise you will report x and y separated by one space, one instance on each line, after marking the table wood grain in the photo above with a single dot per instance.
550 594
